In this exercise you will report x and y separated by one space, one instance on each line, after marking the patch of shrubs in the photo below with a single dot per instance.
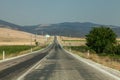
112 49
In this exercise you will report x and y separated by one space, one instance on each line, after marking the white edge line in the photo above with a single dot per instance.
20 56
77 57
103 71
36 66
23 54
29 70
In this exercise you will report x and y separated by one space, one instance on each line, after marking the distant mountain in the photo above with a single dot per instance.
75 29
5 24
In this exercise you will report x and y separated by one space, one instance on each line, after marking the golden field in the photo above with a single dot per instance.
71 41
15 37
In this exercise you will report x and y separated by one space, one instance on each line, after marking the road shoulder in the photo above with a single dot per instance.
109 71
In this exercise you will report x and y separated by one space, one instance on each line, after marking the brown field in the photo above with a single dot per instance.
15 37
70 41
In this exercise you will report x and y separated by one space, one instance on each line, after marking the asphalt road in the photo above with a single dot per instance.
57 65
12 69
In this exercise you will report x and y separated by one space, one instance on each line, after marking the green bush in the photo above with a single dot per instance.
117 49
99 38
112 49
109 49
81 48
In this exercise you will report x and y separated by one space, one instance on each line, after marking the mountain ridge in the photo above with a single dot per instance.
74 29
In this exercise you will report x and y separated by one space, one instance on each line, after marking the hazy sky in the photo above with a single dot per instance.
30 12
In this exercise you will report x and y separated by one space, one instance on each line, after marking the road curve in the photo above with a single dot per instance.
59 65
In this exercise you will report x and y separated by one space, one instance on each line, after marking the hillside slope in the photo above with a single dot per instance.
16 37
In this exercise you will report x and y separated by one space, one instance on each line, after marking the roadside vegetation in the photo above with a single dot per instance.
102 46
107 60
73 40
15 50
19 49
103 41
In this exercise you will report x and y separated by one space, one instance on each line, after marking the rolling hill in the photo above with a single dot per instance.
75 29
14 37
17 37
4 24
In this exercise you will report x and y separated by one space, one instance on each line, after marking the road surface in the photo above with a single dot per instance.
13 68
57 65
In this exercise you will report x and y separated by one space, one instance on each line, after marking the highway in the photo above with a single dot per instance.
56 65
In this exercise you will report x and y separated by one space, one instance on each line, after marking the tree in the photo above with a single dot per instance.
100 37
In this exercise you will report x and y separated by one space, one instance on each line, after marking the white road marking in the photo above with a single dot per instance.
29 70
92 65
77 57
18 56
96 67
36 66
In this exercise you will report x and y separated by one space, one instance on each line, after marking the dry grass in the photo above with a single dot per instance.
69 41
104 60
74 41
107 61
15 37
